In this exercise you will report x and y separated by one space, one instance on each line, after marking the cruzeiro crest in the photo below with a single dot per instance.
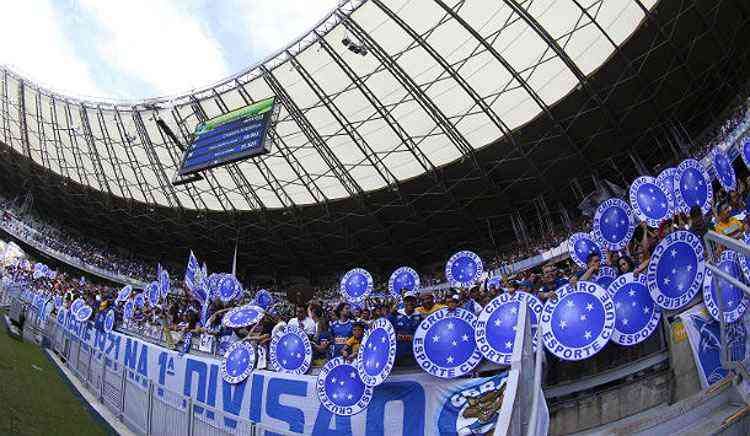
734 300
474 408
579 322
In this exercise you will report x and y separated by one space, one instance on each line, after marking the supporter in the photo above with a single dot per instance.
428 306
550 282
322 340
726 224
624 265
405 324
341 328
303 322
351 346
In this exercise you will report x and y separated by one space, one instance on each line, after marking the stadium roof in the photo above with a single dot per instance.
460 115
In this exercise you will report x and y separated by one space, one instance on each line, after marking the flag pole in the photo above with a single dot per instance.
234 259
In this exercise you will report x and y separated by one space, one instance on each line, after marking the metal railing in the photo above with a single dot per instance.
145 408
741 249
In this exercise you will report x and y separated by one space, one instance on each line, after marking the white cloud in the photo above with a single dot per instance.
272 24
158 42
35 45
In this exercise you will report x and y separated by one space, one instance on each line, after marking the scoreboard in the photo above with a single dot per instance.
231 137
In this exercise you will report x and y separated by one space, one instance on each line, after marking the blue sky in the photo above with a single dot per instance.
146 48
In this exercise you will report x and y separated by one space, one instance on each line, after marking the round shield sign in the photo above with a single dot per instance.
496 328
403 278
242 316
637 314
724 170
290 351
613 224
649 200
675 270
238 362
692 187
229 288
579 322
340 390
581 246
109 321
464 268
734 300
377 353
124 293
84 313
605 276
745 151
444 344
356 285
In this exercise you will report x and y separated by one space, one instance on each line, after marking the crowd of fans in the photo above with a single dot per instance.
335 328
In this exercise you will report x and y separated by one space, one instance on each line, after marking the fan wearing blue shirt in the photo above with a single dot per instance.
341 328
405 324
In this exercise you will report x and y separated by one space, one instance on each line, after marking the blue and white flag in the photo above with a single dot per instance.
153 292
579 322
637 316
496 326
613 224
377 352
109 321
403 278
340 390
704 335
464 268
356 285
724 169
444 344
735 301
649 200
290 351
124 293
165 284
692 187
238 362
666 179
191 271
605 276
128 309
676 270
581 246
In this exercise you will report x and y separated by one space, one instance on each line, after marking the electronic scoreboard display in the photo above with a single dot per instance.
231 137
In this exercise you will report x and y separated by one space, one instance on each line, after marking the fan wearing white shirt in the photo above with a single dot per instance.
303 322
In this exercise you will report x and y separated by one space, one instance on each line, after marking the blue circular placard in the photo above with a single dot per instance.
403 278
242 316
666 179
605 276
128 309
165 284
613 224
724 169
77 305
692 187
238 362
290 351
637 316
154 293
140 300
109 321
340 390
579 322
650 201
496 327
61 316
356 285
58 302
745 151
445 345
84 313
264 299
745 260
675 270
213 285
581 246
377 352
124 293
229 288
463 268
735 301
